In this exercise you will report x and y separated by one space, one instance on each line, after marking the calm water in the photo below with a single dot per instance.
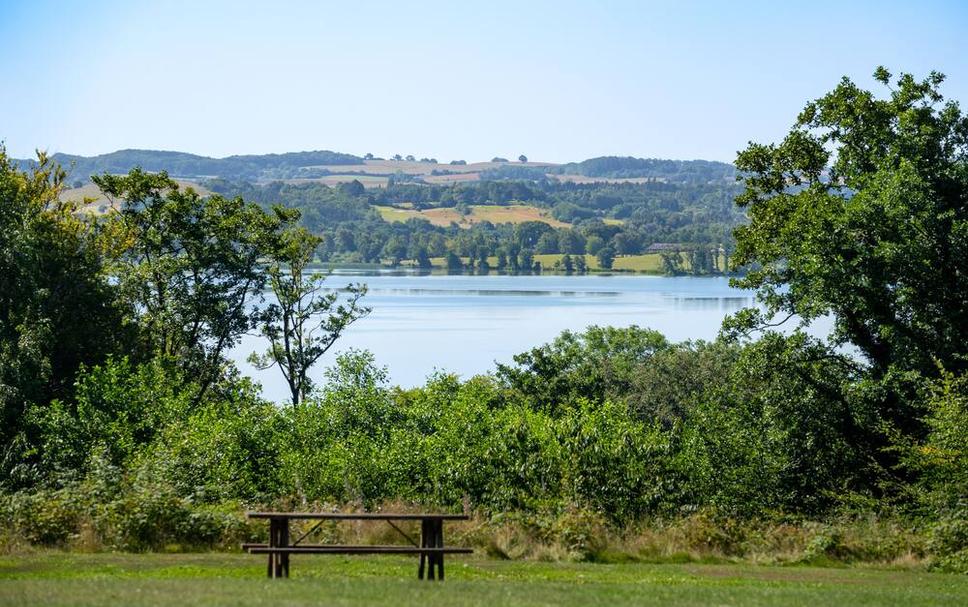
466 323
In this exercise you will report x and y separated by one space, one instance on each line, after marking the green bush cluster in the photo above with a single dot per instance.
766 435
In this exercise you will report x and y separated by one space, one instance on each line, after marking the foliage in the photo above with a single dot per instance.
57 308
701 214
683 171
860 213
303 323
189 266
779 433
595 364
118 409
254 167
942 461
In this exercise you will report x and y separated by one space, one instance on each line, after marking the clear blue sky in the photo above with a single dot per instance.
554 80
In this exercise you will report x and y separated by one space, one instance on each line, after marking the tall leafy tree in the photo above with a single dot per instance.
305 321
861 213
57 306
189 266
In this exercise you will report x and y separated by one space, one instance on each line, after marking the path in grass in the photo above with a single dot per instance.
237 579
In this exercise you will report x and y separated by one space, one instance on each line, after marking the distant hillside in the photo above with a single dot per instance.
333 168
179 164
672 171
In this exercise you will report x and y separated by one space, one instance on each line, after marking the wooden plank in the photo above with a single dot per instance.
358 550
362 516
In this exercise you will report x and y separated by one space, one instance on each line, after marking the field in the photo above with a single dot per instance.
369 181
54 578
374 173
648 262
479 213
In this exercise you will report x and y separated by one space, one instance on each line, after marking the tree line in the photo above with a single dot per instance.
695 219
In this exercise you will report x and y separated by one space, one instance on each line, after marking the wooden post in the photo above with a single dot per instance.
424 538
271 569
431 542
278 538
284 541
440 544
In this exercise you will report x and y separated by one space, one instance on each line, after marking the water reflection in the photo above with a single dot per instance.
726 304
461 323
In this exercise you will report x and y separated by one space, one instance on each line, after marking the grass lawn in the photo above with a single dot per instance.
56 578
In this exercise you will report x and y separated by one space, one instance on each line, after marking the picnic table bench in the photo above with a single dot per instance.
431 548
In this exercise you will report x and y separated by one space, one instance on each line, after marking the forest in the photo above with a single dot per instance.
125 426
681 217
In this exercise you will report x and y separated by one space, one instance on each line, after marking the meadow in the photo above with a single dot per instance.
518 213
59 578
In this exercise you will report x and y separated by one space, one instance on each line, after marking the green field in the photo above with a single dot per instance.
649 262
239 579
444 216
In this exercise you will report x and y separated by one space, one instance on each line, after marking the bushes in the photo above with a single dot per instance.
942 461
725 465
118 405
127 513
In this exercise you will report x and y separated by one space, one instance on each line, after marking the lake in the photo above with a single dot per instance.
464 324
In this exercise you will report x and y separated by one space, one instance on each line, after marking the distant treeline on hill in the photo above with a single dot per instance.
697 217
309 165
180 164
678 171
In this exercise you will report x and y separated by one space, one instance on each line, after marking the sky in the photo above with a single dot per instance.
558 81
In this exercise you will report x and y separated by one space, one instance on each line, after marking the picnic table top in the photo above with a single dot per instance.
375 516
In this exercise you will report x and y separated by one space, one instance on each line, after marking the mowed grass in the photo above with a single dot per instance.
239 579
517 213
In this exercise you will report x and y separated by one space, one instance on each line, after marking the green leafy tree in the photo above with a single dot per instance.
304 322
596 364
454 263
527 260
423 259
190 267
567 265
57 306
580 265
594 244
671 262
606 256
860 213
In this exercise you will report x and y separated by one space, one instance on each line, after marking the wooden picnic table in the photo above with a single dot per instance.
431 548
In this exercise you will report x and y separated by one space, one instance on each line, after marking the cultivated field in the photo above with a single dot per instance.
479 213
374 173
369 181
388 167
56 579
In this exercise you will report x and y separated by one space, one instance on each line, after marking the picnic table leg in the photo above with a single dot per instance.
424 538
431 542
270 567
440 544
284 541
